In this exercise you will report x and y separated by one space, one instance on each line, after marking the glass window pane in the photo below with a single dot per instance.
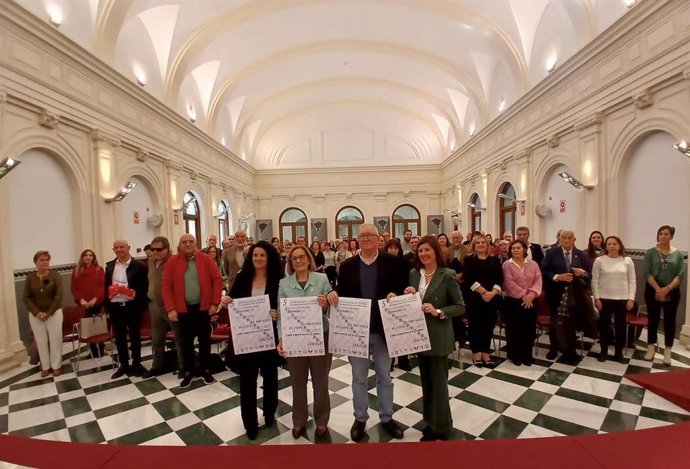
287 234
293 215
414 227
399 231
510 191
478 203
406 212
355 230
301 231
349 213
191 227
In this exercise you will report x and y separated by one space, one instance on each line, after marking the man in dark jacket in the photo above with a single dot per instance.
126 288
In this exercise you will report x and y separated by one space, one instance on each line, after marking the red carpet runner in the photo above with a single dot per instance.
673 386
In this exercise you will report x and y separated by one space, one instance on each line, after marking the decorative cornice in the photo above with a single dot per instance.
587 122
48 120
174 165
142 155
98 136
553 141
643 99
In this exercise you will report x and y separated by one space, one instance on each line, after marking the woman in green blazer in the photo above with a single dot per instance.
441 300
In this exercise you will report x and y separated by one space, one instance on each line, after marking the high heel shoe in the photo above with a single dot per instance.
320 431
298 432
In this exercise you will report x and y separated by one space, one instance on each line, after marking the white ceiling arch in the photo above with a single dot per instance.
430 72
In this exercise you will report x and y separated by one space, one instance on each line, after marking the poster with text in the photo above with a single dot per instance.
301 327
348 327
251 325
404 325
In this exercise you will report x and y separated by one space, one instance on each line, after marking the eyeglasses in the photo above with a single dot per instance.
158 249
298 258
367 236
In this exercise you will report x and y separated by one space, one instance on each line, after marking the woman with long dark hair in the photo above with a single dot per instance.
595 246
260 275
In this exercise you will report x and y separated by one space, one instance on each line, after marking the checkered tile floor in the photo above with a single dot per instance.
547 399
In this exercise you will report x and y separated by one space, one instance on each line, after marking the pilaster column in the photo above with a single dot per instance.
108 225
592 168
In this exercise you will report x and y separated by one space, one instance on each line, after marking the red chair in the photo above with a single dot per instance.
220 328
71 315
97 339
543 320
635 319
145 329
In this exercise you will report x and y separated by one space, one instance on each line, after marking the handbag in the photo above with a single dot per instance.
93 326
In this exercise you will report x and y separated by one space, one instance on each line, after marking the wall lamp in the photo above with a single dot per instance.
122 193
185 205
473 206
221 213
576 183
511 199
7 165
682 147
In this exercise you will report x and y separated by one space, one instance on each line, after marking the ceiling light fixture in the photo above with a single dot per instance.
682 147
192 114
54 15
222 142
502 106
140 75
472 129
629 3
551 64
576 183
122 193
7 165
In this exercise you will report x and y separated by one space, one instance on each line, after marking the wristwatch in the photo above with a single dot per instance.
441 314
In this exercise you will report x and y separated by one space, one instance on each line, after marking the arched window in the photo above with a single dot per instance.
347 222
223 221
406 217
293 224
476 212
507 209
192 219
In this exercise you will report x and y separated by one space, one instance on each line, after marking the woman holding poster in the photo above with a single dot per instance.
441 300
259 277
304 282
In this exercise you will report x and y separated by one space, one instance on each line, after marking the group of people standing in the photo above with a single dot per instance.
184 290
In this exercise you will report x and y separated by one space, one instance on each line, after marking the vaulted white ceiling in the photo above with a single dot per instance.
332 83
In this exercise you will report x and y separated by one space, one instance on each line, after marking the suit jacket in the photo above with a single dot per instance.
390 278
137 280
553 264
444 293
537 253
230 265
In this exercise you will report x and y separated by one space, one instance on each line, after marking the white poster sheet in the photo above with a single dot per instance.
301 327
404 325
251 325
348 327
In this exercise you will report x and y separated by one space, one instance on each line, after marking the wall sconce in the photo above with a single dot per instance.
681 146
222 212
185 205
122 193
192 114
577 184
629 3
473 206
7 165
502 106
140 76
511 199
472 129
551 64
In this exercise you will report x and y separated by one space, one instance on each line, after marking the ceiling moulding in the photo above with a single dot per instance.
612 40
353 169
590 121
71 55
48 120
98 136
644 99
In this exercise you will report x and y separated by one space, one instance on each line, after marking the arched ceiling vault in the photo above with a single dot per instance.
263 75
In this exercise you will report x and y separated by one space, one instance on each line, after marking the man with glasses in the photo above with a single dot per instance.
233 258
160 247
371 275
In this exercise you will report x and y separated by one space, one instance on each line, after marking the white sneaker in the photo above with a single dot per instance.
651 351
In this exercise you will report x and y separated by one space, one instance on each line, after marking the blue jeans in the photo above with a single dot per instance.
384 384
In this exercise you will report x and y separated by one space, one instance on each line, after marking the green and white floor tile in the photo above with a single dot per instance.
547 399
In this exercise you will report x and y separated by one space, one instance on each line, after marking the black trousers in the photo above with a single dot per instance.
521 325
481 319
654 308
615 309
126 319
249 365
433 372
195 324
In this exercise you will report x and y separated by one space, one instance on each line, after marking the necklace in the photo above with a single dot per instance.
429 275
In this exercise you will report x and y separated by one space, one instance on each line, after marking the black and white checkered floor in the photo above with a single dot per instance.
547 399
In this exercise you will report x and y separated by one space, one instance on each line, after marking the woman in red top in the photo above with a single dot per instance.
88 280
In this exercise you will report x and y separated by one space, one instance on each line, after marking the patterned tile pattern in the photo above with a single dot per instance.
547 399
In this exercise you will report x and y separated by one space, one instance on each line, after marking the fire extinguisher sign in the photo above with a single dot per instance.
136 217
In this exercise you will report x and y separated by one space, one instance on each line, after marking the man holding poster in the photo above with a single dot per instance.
371 275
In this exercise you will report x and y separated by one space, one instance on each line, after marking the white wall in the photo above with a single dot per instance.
42 209
555 190
141 201
656 191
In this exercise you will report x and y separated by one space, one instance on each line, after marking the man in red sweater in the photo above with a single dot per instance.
192 287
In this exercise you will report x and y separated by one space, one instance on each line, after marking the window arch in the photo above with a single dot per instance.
406 217
292 224
191 216
347 222
223 221
507 209
475 212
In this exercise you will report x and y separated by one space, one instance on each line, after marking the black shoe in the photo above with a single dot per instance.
138 370
490 364
619 358
270 421
602 357
551 355
252 433
528 362
479 364
152 373
120 372
517 362
186 381
571 359
180 374
429 437
357 431
393 428
208 377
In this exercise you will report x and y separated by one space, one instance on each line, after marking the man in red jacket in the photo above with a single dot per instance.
192 287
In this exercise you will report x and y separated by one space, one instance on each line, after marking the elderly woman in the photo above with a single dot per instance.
88 279
663 271
259 277
43 297
441 300
303 281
